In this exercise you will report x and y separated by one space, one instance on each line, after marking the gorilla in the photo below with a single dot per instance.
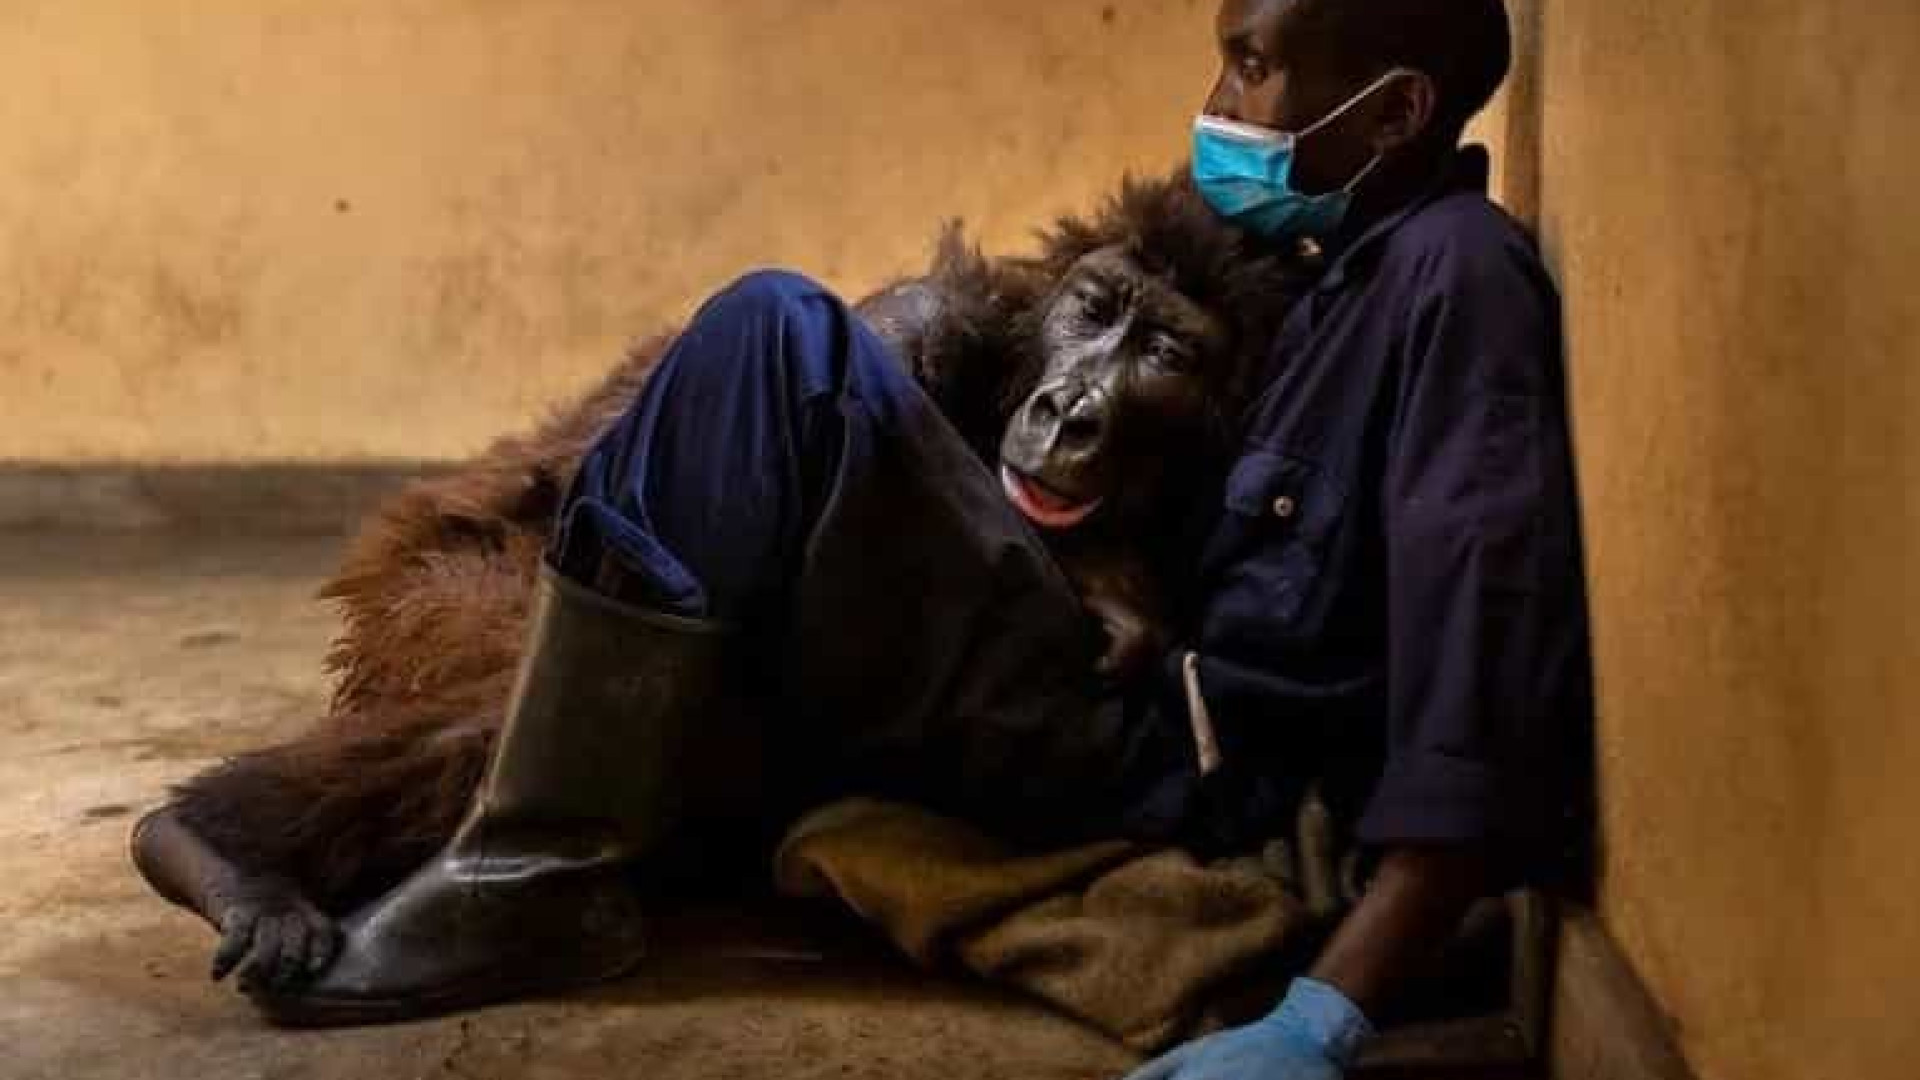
1100 376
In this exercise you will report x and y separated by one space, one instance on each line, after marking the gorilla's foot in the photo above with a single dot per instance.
458 936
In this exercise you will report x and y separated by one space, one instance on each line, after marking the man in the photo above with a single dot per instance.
1386 598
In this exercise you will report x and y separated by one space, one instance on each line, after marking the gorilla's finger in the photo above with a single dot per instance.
325 944
235 941
294 943
257 974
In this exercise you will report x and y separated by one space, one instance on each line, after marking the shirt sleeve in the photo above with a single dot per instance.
1486 625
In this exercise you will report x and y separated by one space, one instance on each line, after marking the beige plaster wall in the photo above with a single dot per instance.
238 230
1726 191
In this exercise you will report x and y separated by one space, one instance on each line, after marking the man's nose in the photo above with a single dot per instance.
1221 100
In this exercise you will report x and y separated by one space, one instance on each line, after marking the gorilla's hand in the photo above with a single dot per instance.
1134 642
269 930
1118 590
271 934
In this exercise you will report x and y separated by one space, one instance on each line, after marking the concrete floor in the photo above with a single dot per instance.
128 662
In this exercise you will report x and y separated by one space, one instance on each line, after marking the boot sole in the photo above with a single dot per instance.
306 1013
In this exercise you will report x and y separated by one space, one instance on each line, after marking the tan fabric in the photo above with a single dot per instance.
1146 944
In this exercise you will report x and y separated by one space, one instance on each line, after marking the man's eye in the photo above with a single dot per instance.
1253 70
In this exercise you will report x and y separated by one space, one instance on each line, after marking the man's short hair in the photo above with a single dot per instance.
1464 46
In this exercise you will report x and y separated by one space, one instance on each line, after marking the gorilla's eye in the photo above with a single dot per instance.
1168 353
1097 304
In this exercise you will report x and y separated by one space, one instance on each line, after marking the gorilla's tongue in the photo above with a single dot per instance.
1043 507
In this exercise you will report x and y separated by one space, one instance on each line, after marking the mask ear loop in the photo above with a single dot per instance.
1363 173
1366 91
1347 106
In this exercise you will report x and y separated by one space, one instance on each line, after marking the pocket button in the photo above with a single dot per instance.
1284 507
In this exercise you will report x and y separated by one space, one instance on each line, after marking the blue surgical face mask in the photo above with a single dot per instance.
1246 174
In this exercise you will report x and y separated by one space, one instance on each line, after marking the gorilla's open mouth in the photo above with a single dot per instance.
1042 505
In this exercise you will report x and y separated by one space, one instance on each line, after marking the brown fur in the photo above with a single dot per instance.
434 591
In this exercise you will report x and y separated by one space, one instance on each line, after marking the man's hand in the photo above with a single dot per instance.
1417 897
1313 1035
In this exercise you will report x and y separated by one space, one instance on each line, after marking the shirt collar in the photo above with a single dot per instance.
1467 170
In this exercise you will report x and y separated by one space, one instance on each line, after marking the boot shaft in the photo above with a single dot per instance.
605 706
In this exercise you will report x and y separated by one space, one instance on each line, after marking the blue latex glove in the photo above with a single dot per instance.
1313 1035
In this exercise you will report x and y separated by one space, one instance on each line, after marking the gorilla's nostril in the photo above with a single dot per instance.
1080 432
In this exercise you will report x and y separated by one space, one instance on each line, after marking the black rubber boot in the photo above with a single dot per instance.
531 896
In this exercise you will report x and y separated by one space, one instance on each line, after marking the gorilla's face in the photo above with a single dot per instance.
1132 371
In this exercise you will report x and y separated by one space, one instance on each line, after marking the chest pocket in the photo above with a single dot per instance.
1271 553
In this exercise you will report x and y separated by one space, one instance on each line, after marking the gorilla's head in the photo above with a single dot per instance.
1142 350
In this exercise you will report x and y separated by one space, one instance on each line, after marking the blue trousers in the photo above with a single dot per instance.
911 637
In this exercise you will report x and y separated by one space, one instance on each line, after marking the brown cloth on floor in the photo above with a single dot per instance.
1146 944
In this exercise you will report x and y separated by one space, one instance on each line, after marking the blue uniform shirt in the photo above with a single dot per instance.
1390 595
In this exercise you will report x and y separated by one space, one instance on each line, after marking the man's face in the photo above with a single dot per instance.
1274 73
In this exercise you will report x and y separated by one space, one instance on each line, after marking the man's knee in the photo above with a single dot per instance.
768 325
764 296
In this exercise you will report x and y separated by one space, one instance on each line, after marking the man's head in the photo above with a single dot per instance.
1288 64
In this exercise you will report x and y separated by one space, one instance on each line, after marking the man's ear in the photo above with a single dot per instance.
1406 110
